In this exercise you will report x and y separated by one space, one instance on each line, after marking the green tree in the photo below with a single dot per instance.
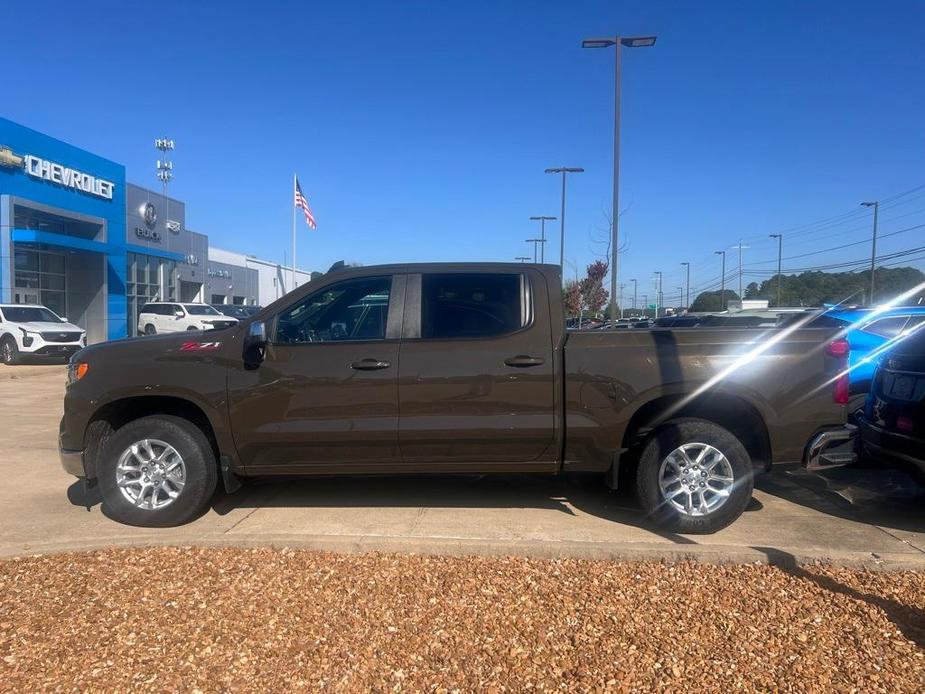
713 301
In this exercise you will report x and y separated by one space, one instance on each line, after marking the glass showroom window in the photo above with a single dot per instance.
39 278
142 284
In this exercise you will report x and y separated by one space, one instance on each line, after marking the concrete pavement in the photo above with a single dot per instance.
873 518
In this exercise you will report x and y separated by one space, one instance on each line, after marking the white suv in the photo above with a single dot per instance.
31 330
173 317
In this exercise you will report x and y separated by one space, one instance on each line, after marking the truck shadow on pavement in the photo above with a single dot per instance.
875 496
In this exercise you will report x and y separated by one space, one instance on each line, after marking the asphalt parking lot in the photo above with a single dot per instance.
868 517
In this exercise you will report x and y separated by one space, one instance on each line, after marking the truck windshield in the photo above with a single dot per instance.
200 310
30 314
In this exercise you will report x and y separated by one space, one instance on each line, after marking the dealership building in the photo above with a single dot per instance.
79 239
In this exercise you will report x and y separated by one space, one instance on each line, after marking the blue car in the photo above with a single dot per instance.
871 332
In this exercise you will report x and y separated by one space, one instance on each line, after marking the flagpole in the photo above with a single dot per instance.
292 202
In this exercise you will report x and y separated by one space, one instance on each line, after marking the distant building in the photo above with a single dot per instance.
79 239
747 304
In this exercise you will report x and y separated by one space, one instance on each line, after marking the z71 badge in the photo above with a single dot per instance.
200 346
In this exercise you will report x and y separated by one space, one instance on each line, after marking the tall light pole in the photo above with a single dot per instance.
687 303
680 295
634 294
740 247
542 220
522 258
535 243
658 291
873 249
780 250
645 303
564 170
722 282
618 42
164 166
622 287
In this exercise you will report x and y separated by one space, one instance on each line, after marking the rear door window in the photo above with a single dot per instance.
472 305
886 327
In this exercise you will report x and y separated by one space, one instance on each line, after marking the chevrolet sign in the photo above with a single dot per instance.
57 173
67 177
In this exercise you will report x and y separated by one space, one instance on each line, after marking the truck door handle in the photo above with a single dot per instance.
522 361
369 365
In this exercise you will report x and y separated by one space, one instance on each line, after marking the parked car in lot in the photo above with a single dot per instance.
171 317
29 330
448 368
870 332
234 310
893 422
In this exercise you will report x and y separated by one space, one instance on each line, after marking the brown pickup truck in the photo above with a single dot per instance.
449 368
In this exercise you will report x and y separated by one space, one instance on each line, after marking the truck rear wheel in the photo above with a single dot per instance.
694 476
157 471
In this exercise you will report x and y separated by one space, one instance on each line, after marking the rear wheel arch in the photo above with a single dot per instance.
115 414
734 413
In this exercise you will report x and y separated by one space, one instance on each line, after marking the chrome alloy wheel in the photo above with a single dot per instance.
150 474
696 479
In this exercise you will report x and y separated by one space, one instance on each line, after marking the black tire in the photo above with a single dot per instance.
855 405
150 330
192 328
669 437
198 458
9 352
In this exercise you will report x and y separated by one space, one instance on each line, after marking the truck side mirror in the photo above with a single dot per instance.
255 344
178 313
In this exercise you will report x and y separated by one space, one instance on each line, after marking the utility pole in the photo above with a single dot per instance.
873 249
634 295
687 303
658 291
542 220
563 170
780 249
722 285
618 42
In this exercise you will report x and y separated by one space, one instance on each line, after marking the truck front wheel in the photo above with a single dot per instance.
694 476
157 471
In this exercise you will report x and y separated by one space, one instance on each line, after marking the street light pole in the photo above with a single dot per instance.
658 291
687 303
522 258
634 294
722 282
542 220
622 287
535 242
617 42
780 249
873 249
564 170
645 303
740 247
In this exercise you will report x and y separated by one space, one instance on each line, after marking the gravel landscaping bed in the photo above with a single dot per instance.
172 619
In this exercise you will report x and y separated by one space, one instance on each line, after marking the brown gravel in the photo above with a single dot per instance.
225 619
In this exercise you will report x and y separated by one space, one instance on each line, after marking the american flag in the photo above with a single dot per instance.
302 203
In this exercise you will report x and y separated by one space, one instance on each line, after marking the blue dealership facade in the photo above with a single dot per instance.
76 237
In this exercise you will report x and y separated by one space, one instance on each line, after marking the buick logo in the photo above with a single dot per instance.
149 214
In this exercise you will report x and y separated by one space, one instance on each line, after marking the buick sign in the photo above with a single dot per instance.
149 214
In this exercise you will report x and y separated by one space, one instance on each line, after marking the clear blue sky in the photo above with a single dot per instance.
420 130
